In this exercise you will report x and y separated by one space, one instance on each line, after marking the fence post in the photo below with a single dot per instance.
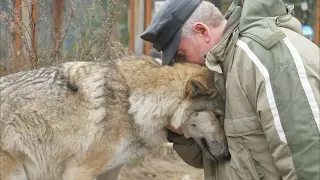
147 20
57 22
17 36
131 23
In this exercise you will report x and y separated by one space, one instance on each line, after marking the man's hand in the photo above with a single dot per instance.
189 151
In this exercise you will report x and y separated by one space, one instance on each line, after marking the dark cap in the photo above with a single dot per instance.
165 29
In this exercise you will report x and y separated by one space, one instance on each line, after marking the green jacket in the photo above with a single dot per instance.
269 77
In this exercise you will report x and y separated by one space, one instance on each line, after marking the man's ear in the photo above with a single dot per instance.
203 29
196 87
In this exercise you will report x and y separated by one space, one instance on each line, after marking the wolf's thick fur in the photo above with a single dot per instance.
79 119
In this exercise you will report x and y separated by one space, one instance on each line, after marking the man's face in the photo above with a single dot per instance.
190 51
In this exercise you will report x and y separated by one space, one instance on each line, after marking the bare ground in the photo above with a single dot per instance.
161 164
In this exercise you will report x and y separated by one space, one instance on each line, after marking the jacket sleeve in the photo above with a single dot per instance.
275 135
286 107
189 151
291 132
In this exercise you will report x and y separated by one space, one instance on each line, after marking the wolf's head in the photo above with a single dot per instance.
183 95
201 114
206 129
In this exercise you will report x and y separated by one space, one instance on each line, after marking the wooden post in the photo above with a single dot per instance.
317 24
147 20
57 22
17 35
131 28
27 54
34 34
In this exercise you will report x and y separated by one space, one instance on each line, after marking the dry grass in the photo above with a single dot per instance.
89 25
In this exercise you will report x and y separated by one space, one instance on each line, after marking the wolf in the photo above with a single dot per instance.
75 120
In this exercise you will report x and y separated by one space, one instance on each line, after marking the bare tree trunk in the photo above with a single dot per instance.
217 3
57 22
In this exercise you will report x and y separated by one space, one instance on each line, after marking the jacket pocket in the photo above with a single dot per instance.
243 166
247 163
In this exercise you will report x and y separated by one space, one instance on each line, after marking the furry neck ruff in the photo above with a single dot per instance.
156 91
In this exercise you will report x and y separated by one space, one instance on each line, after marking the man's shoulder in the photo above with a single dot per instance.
280 53
264 32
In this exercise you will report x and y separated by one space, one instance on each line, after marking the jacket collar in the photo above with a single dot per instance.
216 56
242 16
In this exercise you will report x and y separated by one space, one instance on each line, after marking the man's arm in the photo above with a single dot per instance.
189 151
287 109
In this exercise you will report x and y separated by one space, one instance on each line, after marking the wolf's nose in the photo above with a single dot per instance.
226 153
227 156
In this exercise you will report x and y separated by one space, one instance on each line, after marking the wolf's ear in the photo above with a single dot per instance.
196 87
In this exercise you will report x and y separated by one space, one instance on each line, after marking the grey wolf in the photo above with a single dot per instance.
79 119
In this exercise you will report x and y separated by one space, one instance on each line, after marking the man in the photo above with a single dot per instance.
268 74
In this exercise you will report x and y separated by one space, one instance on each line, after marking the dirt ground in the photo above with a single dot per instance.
161 164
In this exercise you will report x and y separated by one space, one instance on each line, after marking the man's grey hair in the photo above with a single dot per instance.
206 13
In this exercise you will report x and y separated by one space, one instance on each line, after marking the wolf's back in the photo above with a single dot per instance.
72 94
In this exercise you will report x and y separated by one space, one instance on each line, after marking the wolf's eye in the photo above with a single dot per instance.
193 125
